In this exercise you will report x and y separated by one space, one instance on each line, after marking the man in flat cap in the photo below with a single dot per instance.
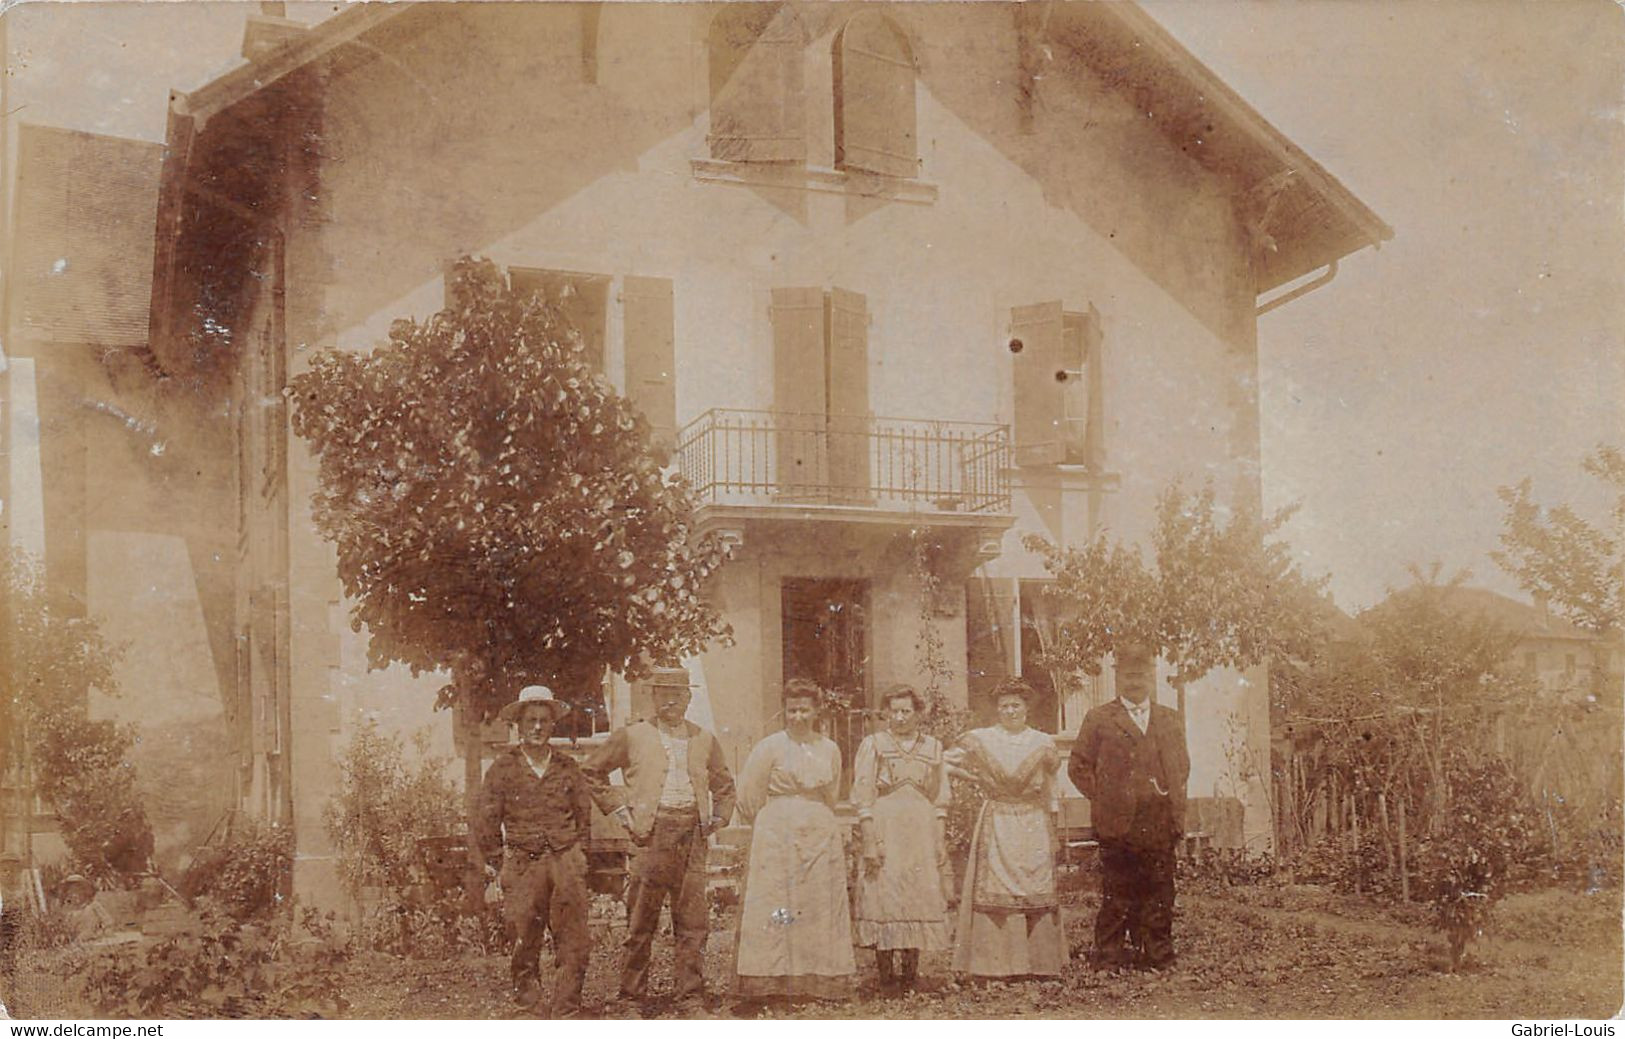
678 792
534 815
1130 761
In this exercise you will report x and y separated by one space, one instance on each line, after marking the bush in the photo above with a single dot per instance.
1489 843
246 874
223 968
1340 862
1227 867
1587 851
432 928
383 809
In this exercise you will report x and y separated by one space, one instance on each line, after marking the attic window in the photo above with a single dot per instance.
874 98
758 113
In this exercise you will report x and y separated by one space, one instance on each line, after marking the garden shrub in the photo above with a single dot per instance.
384 808
222 968
247 874
1489 843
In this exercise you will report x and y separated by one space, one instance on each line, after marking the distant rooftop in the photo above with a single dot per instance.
1520 618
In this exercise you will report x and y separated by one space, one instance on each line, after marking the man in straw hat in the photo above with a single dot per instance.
535 814
678 791
1130 761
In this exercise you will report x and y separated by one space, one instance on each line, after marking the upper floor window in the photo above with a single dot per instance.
874 98
583 299
758 111
1058 386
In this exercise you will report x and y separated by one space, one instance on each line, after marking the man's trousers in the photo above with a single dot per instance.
1135 925
671 865
548 892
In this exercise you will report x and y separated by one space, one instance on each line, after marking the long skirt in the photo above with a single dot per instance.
902 905
795 926
1009 918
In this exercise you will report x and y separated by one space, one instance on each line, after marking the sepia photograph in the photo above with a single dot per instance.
818 509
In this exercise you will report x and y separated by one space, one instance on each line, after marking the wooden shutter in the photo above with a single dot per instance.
1095 436
849 418
874 98
799 392
758 111
647 328
1038 394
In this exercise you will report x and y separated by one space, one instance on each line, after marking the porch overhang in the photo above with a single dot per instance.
972 538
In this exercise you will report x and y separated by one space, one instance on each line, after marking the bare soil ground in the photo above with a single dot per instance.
1245 952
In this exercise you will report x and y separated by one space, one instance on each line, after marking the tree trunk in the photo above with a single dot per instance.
474 878
1354 828
1387 830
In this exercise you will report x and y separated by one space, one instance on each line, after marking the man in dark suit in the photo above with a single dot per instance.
1131 763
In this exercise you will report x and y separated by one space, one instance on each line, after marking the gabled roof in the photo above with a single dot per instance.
1516 618
322 40
1300 216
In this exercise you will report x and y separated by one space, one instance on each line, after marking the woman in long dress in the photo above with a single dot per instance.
795 924
900 789
1009 917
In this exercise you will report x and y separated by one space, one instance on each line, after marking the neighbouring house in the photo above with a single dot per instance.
896 283
1565 662
101 480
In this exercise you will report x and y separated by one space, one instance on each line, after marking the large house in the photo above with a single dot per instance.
898 284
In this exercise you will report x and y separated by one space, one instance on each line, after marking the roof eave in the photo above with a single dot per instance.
322 39
1369 229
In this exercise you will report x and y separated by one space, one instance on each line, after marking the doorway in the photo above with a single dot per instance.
826 639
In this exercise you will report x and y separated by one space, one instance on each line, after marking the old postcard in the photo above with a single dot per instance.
812 509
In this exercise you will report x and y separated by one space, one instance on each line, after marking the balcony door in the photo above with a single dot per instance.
825 638
822 419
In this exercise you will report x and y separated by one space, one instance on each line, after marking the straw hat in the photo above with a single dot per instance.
670 678
535 694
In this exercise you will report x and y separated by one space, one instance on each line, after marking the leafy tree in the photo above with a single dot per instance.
77 764
1576 565
495 505
1221 592
496 508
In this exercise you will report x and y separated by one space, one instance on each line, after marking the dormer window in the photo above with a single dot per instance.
758 113
874 98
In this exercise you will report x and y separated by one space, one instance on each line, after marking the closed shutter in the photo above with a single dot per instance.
758 112
849 419
1095 436
799 392
874 99
1038 394
650 356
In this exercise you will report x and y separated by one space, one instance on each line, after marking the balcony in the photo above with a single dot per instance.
807 466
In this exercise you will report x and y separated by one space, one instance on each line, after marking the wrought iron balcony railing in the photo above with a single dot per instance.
738 457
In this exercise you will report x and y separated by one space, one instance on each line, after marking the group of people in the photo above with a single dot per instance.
799 925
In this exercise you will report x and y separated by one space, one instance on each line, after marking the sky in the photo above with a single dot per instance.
1485 343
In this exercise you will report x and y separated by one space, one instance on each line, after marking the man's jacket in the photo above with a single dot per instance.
637 751
531 814
1135 781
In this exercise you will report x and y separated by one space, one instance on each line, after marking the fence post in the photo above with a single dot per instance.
1404 874
1387 829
